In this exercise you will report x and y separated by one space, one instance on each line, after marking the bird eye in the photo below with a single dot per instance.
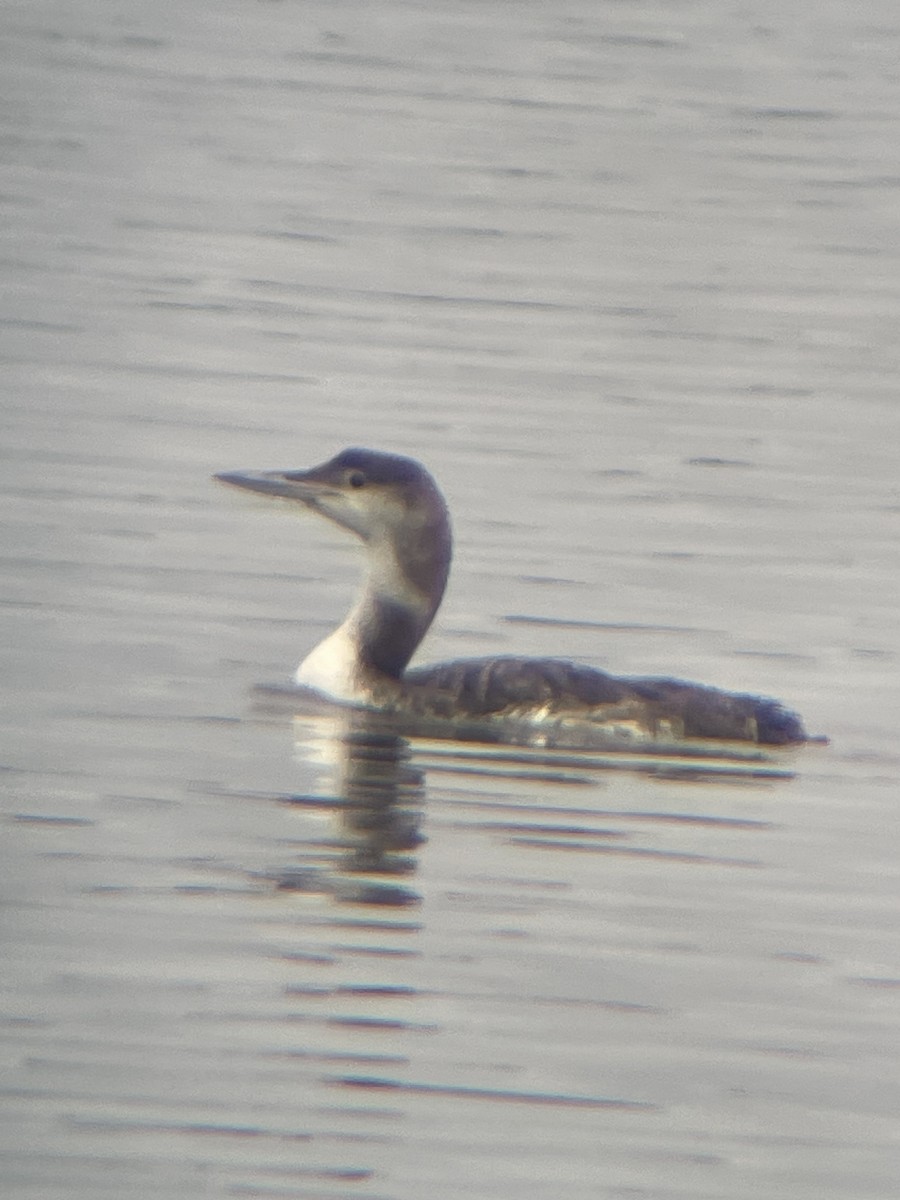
356 479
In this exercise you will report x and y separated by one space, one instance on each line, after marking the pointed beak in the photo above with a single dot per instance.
289 485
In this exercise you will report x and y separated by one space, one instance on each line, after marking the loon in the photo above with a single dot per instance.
395 507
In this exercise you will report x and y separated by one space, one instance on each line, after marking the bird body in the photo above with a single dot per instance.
395 507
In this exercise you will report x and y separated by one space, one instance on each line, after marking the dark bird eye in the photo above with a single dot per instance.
356 479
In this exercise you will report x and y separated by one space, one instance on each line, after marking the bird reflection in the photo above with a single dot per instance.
372 786
376 795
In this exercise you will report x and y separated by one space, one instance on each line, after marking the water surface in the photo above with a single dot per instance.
625 278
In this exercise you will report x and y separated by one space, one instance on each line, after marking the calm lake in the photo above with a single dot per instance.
626 277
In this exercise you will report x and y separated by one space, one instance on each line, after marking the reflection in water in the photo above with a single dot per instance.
376 795
372 786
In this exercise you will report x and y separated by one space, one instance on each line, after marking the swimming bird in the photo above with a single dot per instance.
394 506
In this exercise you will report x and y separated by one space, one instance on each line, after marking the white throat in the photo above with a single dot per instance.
333 667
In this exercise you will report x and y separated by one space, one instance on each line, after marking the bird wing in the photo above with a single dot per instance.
486 688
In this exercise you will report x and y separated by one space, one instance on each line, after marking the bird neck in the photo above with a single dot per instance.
403 588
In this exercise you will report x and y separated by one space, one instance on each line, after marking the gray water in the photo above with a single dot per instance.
626 277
